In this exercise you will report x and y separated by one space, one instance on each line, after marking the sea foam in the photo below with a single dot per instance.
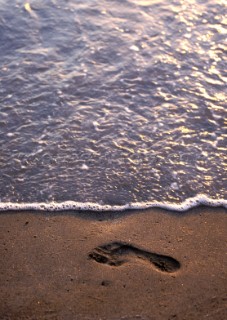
90 206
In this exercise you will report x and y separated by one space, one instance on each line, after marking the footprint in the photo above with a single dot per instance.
118 253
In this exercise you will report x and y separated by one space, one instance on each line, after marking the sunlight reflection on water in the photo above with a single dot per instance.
112 101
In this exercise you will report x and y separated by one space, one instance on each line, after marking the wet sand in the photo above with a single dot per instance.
150 264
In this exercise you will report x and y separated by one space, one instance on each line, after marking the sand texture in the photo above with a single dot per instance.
150 264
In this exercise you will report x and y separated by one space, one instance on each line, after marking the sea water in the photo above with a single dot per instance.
110 105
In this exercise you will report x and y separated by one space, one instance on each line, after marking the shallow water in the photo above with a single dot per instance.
113 102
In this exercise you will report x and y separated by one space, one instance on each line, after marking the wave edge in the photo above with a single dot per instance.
187 204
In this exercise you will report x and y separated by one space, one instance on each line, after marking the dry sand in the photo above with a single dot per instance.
150 264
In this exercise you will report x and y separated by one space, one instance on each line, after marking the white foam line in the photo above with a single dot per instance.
89 206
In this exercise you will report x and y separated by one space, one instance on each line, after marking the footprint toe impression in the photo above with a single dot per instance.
117 253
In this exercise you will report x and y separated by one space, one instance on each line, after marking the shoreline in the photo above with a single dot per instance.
187 204
114 265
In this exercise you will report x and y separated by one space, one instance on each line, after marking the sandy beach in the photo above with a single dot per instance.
150 264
